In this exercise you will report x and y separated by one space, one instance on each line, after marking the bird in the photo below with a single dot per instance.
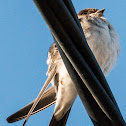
103 41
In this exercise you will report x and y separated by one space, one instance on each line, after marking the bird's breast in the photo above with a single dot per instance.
103 42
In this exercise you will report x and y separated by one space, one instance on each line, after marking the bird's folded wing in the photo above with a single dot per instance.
48 99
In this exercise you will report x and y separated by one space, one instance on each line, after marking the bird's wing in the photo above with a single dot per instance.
53 59
48 99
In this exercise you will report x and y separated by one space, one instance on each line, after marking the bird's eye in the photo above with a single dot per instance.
84 13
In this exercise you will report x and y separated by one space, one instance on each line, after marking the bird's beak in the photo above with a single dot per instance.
100 12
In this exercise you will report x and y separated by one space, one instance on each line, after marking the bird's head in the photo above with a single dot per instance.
91 12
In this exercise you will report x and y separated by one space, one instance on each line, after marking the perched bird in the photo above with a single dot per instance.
104 43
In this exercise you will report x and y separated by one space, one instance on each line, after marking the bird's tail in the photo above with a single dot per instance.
61 122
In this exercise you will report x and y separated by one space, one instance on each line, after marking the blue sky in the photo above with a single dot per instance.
24 43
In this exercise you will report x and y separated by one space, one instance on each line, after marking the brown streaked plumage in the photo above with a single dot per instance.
87 11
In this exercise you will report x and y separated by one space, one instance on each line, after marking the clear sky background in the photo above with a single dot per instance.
24 43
